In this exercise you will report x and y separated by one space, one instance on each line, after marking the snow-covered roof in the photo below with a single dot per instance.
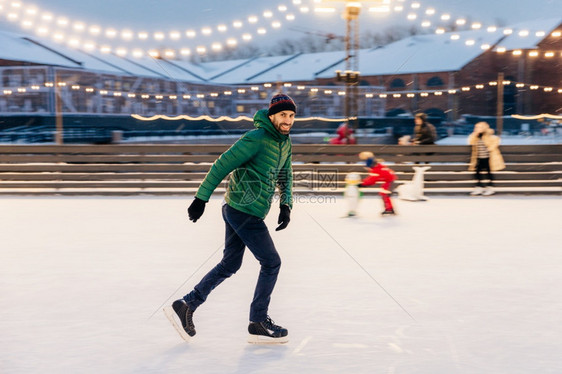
444 52
16 47
254 68
527 35
301 67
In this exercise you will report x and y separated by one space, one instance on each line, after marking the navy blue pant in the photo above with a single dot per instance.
242 230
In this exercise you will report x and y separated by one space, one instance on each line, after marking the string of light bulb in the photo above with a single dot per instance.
413 13
14 9
267 87
93 37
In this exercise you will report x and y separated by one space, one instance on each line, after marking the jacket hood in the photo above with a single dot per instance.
261 120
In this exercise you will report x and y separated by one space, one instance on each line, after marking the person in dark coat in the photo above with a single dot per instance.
424 132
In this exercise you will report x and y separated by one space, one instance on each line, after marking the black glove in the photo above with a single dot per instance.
361 185
196 209
284 217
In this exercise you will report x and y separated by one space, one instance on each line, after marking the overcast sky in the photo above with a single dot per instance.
169 15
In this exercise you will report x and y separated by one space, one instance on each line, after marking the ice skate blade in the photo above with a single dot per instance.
171 315
266 340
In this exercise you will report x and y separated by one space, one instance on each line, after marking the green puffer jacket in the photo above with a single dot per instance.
259 160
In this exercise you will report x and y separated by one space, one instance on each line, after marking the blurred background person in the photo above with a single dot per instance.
485 156
424 132
379 173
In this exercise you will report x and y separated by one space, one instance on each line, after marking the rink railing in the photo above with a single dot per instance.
318 168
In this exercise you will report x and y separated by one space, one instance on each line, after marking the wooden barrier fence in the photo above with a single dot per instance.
318 168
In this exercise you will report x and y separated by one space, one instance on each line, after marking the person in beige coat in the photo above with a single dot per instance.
485 156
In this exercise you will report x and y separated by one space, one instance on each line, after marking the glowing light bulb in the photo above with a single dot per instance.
252 19
190 34
206 31
79 26
267 14
237 24
47 17
94 30
175 35
159 35
63 22
121 51
143 35
127 35
111 33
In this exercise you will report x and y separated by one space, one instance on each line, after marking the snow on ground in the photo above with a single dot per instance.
453 285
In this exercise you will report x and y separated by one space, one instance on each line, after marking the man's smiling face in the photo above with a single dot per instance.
283 121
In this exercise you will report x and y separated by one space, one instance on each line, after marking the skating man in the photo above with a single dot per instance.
259 161
379 173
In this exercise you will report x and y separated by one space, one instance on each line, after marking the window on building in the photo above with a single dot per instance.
397 83
240 108
435 82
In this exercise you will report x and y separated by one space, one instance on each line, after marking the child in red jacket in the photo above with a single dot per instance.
379 173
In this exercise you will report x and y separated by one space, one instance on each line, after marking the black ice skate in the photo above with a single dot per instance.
388 212
267 332
185 315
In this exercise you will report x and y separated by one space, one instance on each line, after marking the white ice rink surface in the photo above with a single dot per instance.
82 282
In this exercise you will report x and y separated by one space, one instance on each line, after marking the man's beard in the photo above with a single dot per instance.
278 127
